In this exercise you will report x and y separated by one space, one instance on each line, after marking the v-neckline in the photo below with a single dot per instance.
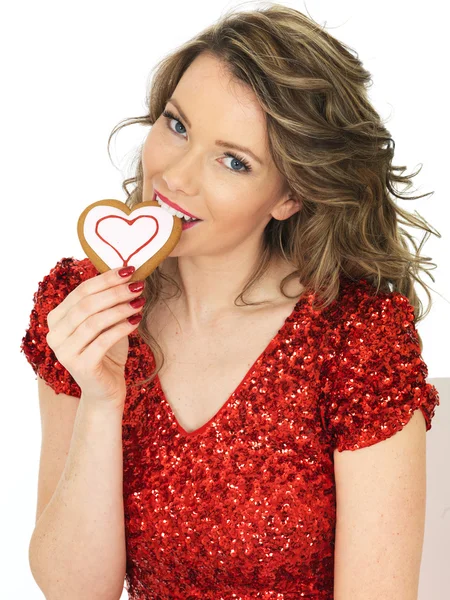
157 382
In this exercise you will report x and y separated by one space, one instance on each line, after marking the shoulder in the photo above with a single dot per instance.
65 276
361 308
376 320
51 290
373 376
62 278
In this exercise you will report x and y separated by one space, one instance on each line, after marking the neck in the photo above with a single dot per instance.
208 293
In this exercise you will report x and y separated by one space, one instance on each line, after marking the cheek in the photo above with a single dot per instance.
240 210
153 150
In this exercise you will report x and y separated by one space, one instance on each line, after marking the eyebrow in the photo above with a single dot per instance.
222 143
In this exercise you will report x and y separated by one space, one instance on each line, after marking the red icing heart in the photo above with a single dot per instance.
130 223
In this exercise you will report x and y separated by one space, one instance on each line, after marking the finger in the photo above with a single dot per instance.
95 351
99 283
92 327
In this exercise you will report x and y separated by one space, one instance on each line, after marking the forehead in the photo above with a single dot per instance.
213 100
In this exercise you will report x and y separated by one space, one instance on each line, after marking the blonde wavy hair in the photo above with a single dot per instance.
325 139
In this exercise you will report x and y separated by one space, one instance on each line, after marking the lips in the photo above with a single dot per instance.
173 205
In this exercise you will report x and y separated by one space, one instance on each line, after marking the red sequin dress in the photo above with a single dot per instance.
245 506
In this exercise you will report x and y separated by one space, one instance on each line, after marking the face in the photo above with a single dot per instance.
234 196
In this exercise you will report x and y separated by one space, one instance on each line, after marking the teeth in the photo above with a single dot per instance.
172 211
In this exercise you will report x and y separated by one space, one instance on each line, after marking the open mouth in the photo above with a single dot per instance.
173 211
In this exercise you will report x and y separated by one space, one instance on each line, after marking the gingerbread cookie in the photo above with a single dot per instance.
114 235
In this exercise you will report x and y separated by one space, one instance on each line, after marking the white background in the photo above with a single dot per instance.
70 73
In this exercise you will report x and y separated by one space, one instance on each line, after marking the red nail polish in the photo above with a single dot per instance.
137 303
134 320
136 286
127 271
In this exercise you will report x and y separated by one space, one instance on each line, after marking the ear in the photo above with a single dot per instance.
286 207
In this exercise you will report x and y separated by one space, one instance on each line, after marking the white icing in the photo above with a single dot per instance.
124 237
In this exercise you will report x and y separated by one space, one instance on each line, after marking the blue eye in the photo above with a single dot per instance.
239 159
247 167
170 116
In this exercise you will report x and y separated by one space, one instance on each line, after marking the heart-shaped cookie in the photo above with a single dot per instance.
114 235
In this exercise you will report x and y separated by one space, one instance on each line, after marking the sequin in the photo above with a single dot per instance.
245 506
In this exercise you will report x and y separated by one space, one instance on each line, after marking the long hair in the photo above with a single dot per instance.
327 141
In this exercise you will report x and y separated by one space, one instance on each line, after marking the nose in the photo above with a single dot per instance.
180 174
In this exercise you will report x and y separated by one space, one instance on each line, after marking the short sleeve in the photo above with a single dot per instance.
379 377
65 276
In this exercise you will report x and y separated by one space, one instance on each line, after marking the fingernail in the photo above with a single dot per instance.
137 286
137 303
127 271
134 320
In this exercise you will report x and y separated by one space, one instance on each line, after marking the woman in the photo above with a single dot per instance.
241 477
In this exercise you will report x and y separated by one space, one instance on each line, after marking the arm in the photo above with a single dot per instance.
77 549
381 497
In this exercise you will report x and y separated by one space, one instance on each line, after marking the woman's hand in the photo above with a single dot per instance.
88 332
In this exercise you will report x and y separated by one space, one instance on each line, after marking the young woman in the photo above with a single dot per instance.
269 448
